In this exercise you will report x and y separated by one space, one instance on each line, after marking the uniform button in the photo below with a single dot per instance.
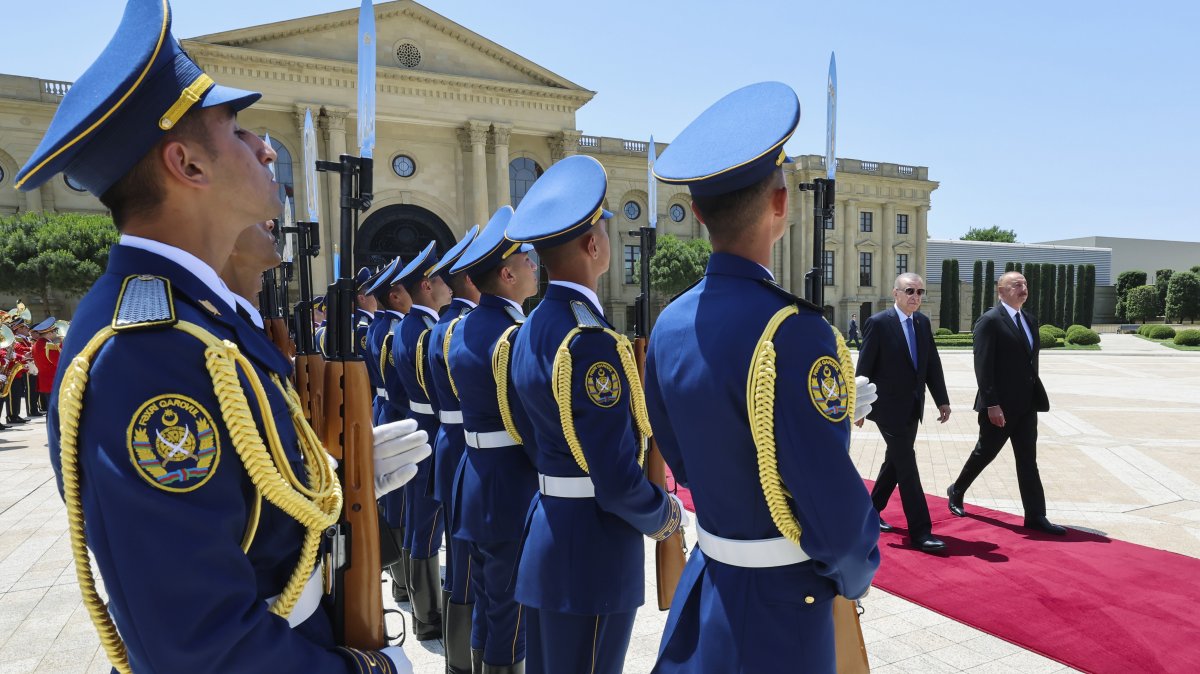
809 599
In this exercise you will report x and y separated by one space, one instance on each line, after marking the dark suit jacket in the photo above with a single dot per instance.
1006 367
884 358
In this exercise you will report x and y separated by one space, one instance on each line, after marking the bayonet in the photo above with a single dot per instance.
366 80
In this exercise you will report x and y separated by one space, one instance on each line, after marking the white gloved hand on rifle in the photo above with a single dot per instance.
399 446
864 395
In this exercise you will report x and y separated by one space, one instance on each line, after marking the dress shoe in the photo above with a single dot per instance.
1045 526
884 526
37 414
930 544
18 420
956 502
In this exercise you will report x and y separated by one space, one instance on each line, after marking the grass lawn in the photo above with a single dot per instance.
1168 343
957 344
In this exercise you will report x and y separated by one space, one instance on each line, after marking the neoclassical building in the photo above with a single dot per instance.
465 126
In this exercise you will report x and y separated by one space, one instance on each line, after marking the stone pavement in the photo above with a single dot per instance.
1117 456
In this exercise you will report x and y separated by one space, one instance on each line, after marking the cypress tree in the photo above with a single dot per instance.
1046 308
956 299
989 287
1060 297
944 305
1068 299
1032 277
977 293
1010 266
1090 296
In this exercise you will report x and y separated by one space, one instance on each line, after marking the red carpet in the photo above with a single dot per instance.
1090 602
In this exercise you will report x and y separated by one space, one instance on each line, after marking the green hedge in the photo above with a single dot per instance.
1188 338
1083 336
1047 337
1161 332
1144 329
1054 330
944 331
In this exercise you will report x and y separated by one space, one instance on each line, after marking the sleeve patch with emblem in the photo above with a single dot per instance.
603 384
173 443
828 389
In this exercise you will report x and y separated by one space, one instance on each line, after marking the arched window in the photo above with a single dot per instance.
522 172
283 172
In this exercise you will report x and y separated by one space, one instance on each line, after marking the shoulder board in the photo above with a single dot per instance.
798 301
585 318
693 285
516 316
144 302
429 323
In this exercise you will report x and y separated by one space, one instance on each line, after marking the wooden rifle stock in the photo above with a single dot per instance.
278 332
349 438
669 554
310 384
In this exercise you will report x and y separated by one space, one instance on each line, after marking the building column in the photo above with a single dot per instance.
564 144
477 133
849 254
616 277
500 135
333 128
33 200
889 253
920 238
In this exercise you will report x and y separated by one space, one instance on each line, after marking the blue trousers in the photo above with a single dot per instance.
423 522
459 566
499 624
591 644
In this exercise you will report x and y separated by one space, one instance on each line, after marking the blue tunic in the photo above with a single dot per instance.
728 618
167 503
392 408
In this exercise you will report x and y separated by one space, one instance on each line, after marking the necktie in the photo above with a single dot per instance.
1021 327
910 336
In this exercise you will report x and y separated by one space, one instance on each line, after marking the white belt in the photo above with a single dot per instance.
752 554
450 416
420 408
382 393
566 487
310 598
489 440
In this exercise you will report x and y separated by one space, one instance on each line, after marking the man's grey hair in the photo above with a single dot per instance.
907 276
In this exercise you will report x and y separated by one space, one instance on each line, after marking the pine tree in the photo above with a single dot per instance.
1060 297
1068 298
944 306
1089 297
1010 266
977 293
989 287
956 301
1032 278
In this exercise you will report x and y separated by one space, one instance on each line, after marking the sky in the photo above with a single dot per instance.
1054 119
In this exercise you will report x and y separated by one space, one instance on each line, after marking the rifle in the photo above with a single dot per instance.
669 554
824 195
310 366
354 558
273 321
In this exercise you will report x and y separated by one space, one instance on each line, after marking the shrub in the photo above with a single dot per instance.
944 331
1047 337
1056 331
1188 338
1161 331
1083 337
1144 329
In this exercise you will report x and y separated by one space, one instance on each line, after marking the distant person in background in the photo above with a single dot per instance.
899 355
1009 398
853 338
253 253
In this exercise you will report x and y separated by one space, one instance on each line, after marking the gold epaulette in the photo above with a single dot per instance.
420 361
446 349
760 405
316 508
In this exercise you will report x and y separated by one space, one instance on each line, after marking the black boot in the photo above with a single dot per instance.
425 593
398 571
515 668
476 661
456 626
955 501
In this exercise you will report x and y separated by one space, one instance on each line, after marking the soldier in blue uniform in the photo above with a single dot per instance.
198 474
457 598
422 514
318 313
496 479
383 292
582 564
751 395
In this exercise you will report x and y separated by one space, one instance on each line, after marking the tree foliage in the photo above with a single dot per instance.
1183 297
977 292
1067 310
676 264
989 286
993 233
1141 303
1162 278
43 253
955 299
1126 281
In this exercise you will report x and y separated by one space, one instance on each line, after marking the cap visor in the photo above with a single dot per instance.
238 99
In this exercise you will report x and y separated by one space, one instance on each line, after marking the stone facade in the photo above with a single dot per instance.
469 124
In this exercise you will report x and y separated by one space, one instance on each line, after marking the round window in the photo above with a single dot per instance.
404 166
408 55
632 210
677 213
1 174
72 184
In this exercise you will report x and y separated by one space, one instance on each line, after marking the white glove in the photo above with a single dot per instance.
399 446
3 378
864 395
33 369
400 661
685 517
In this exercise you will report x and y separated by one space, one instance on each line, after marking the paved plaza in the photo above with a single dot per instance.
1117 456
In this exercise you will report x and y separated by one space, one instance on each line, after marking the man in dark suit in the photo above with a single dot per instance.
1010 396
899 355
